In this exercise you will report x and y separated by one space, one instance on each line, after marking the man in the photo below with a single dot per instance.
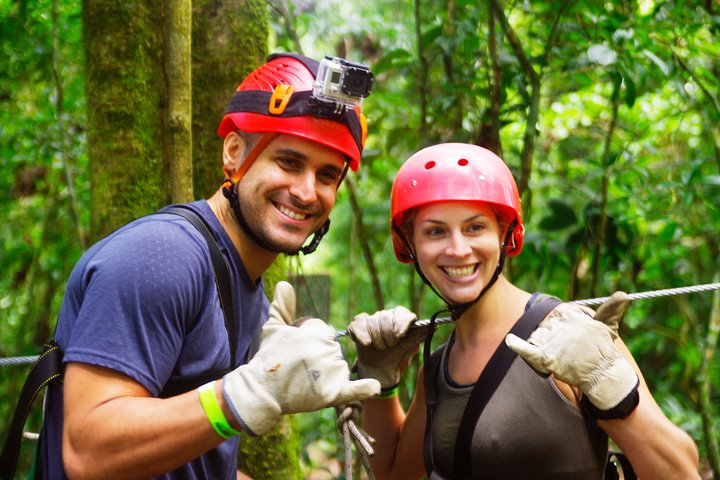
141 313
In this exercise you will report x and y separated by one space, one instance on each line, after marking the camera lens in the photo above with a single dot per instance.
357 82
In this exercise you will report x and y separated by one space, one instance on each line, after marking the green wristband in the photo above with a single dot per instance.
214 412
390 393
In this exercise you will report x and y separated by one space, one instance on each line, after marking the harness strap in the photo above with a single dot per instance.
47 368
484 388
489 380
431 363
221 274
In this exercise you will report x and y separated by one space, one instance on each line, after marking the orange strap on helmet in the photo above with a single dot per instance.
280 98
248 160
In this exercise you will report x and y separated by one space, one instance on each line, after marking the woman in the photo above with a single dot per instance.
455 213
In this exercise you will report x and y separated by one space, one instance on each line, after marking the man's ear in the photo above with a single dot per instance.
233 153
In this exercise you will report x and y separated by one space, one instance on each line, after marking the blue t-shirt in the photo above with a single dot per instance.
143 302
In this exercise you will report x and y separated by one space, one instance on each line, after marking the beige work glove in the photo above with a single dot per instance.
385 343
579 350
298 368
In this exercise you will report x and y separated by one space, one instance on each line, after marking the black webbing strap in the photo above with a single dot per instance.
301 103
490 379
46 368
611 472
430 363
487 383
221 273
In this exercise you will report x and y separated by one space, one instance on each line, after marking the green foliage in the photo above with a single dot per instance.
44 194
627 137
627 132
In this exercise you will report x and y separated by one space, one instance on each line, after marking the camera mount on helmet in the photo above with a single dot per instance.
341 82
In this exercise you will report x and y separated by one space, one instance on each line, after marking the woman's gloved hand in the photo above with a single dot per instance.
579 350
385 343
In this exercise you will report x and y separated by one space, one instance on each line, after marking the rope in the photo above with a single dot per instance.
594 301
347 415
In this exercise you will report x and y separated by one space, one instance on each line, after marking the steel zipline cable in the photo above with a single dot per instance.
668 292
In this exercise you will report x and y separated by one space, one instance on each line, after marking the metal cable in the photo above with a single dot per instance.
18 360
667 292
594 301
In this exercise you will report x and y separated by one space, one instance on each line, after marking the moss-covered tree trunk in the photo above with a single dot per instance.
179 75
230 39
138 105
126 104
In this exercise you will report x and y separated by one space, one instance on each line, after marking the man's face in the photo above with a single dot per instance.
288 192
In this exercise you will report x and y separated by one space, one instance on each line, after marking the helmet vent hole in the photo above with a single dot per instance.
429 165
462 162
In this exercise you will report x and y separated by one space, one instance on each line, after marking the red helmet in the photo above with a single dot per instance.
275 98
452 172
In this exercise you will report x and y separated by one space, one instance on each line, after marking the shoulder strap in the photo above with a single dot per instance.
221 273
431 366
490 379
611 472
46 368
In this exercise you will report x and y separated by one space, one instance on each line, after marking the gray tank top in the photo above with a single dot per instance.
528 430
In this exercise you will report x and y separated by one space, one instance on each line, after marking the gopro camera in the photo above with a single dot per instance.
342 82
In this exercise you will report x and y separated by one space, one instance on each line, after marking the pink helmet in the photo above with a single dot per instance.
455 172
274 98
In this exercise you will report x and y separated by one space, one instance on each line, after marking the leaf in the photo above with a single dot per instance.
602 55
666 234
657 61
394 59
713 180
630 94
560 216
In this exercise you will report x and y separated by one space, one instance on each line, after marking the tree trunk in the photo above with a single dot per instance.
140 140
229 40
179 75
126 105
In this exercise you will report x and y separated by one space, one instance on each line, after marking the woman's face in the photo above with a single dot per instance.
457 245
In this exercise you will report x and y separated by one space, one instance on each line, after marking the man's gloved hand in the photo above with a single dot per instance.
579 350
298 368
385 344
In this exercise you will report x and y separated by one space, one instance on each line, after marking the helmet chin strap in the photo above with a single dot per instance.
456 310
229 190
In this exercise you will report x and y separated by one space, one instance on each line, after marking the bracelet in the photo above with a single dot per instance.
387 393
213 411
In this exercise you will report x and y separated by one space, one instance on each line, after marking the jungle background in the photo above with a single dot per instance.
608 113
